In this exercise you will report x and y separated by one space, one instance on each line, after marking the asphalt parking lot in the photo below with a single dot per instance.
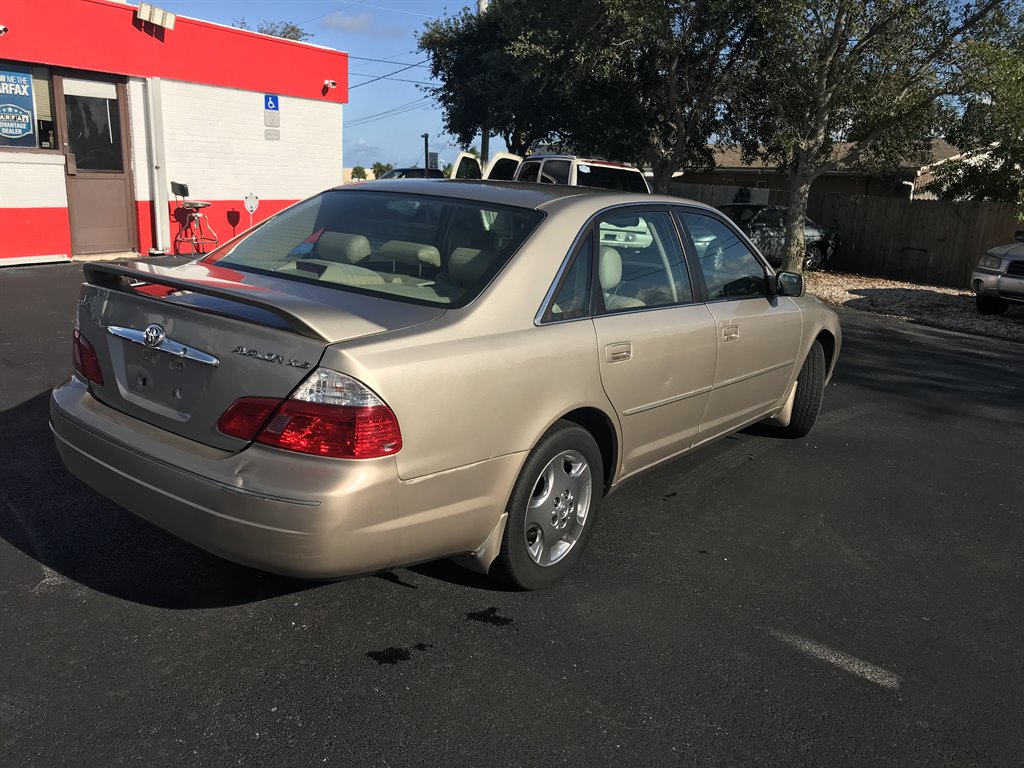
853 598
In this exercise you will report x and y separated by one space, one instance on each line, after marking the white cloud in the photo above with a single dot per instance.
359 22
361 152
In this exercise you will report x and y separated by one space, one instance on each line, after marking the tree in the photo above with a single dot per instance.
633 80
379 169
285 29
848 84
359 173
989 129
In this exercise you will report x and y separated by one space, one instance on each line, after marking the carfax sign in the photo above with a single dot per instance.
17 109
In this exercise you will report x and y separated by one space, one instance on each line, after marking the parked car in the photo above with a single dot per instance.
413 173
998 279
765 226
399 371
553 169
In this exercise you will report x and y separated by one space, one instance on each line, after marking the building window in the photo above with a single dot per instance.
26 107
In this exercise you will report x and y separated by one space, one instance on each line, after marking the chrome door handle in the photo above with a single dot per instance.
618 352
730 332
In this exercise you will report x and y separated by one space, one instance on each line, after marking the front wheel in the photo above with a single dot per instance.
814 259
810 389
991 305
552 510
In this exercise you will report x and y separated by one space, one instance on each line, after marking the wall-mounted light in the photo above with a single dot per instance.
3 30
330 84
158 17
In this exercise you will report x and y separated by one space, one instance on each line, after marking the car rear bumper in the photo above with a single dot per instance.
997 284
288 513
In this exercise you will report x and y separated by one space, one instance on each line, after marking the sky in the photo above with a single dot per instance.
384 120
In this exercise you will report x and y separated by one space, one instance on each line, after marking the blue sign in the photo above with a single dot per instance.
271 103
17 108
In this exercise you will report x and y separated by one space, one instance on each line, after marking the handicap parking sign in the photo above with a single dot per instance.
270 102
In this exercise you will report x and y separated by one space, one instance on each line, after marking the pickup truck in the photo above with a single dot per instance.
553 169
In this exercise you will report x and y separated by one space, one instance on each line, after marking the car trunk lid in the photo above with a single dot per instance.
179 345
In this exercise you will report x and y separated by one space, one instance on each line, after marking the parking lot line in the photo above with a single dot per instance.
864 669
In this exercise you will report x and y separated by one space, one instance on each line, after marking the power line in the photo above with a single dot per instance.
393 111
389 74
386 61
392 79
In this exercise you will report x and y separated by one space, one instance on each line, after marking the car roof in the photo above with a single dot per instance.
515 193
584 160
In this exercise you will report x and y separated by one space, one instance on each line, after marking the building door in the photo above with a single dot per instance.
92 125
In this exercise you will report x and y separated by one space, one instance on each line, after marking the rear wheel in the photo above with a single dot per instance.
552 510
991 305
810 388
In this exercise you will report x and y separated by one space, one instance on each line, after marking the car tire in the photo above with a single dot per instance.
991 305
814 259
810 389
552 510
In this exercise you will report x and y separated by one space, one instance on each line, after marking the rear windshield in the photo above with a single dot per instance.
622 179
425 250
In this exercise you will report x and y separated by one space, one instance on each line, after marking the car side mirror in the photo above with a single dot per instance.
789 284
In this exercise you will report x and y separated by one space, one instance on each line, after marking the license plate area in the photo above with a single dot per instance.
161 381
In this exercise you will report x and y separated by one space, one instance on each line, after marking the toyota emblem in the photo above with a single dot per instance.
153 335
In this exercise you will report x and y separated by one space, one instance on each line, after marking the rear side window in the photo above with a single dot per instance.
415 248
572 300
605 177
555 172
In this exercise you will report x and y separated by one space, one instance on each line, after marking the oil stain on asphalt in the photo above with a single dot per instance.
396 655
489 616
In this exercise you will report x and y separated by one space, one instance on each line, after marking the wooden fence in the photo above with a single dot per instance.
920 241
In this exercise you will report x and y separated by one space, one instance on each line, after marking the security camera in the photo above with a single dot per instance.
3 30
327 83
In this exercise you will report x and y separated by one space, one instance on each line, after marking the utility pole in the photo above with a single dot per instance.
485 137
426 153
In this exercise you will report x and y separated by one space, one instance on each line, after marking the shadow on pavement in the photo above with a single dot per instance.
56 520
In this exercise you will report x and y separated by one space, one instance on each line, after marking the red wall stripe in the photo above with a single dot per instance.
227 218
105 36
34 232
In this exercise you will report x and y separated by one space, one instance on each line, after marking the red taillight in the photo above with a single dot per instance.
245 417
340 431
330 414
86 362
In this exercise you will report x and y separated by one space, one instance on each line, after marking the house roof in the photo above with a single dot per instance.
729 158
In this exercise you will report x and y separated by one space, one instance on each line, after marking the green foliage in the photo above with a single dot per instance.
359 173
637 80
285 29
990 128
379 169
848 84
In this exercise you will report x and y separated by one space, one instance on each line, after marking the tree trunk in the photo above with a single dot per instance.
796 211
663 169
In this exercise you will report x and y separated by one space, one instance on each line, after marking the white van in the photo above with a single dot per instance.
553 169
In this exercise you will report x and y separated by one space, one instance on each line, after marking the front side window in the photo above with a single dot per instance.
640 261
415 248
529 171
730 269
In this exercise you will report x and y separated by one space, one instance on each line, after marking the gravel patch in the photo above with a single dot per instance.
947 308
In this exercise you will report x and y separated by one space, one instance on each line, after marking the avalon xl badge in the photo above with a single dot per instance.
269 357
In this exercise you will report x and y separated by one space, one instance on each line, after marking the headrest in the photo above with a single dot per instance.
343 248
609 268
410 253
468 265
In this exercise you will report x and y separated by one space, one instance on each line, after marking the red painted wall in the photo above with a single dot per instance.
226 217
106 37
34 232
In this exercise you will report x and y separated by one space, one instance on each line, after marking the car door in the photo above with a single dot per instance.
656 340
758 335
466 166
503 166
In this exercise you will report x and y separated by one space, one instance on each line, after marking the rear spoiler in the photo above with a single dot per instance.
307 318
